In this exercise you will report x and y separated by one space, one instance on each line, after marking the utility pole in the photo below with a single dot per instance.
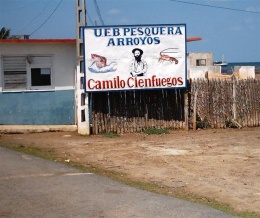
82 100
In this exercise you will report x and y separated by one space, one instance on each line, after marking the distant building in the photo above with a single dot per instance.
201 66
200 59
20 37
37 81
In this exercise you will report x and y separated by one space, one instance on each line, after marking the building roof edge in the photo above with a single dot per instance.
73 41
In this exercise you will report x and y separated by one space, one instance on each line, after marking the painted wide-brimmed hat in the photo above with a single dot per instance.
137 49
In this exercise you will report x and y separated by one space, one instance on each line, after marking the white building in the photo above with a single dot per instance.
37 81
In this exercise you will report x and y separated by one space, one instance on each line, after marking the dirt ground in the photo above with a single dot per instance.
222 164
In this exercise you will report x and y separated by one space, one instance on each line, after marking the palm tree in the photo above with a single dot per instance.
4 33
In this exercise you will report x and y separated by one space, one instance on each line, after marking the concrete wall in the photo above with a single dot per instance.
193 57
37 108
214 72
203 72
42 107
244 72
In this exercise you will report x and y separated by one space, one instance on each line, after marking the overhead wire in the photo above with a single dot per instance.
38 15
89 18
98 13
47 18
212 6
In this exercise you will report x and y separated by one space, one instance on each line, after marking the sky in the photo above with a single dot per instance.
228 28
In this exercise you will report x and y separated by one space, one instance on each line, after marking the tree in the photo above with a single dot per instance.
4 33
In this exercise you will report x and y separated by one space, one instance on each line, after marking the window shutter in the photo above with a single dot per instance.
14 72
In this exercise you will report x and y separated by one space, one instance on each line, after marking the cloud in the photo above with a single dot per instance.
251 27
237 28
248 25
93 68
114 11
253 9
125 20
248 20
219 0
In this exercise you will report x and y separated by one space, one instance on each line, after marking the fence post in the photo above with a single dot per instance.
195 107
186 109
234 98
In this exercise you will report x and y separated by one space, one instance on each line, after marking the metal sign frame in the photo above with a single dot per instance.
135 57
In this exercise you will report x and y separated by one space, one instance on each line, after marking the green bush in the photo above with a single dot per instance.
151 131
110 134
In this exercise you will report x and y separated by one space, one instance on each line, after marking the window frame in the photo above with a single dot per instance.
29 66
199 62
20 63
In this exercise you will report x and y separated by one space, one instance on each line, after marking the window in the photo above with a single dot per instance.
27 72
40 76
15 76
201 62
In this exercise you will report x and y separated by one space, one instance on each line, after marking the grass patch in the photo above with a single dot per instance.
156 131
110 134
180 193
45 153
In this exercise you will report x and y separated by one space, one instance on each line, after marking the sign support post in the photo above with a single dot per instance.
82 101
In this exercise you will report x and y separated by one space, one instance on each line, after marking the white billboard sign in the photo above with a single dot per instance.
135 57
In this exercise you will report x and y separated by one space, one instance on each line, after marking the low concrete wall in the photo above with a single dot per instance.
36 128
37 108
214 72
202 72
244 72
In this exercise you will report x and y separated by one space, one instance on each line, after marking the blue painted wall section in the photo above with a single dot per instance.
37 108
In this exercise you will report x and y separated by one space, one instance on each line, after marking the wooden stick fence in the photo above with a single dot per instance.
227 103
133 111
210 104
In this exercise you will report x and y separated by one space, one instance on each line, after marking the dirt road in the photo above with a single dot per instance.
221 164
